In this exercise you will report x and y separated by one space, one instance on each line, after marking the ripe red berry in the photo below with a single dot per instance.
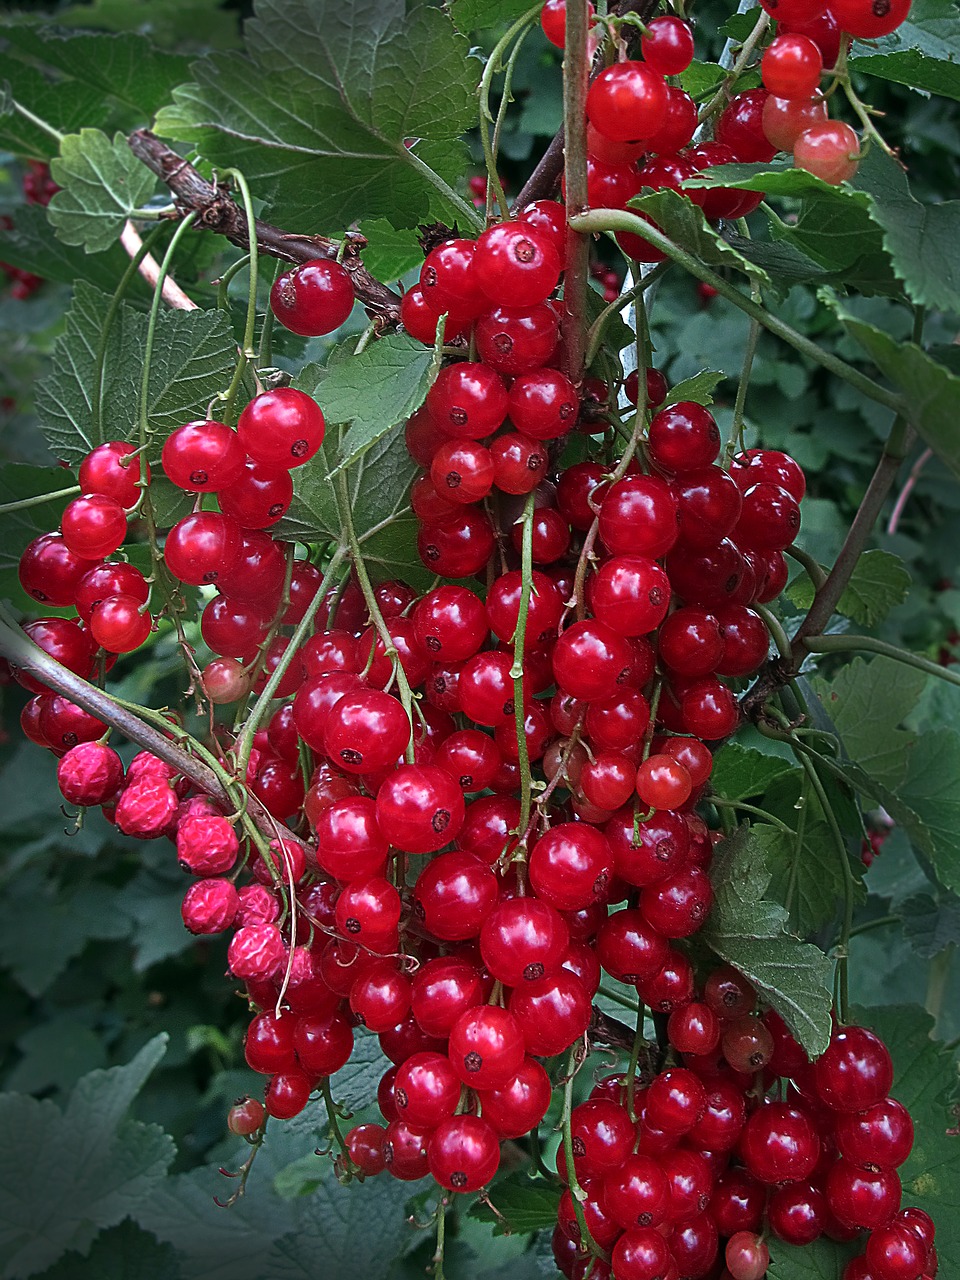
281 429
830 151
626 101
463 1153
314 298
114 470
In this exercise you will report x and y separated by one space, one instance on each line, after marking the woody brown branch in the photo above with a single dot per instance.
219 212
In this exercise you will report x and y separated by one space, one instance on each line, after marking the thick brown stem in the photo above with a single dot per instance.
220 213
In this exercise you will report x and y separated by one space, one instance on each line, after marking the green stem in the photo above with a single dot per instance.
774 626
376 617
441 1239
600 220
750 351
245 742
331 1107
813 568
720 802
619 999
38 500
466 211
247 351
48 129
882 922
494 65
577 1194
867 644
746 53
639 1042
595 335
516 670
223 283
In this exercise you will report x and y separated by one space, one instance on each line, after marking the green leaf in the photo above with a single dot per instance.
823 1260
683 221
340 89
19 480
749 931
102 183
379 485
122 1253
741 772
701 78
193 359
128 67
56 1054
699 389
375 391
64 1175
879 583
931 923
925 1077
921 239
807 874
29 245
66 107
930 791
922 53
390 254
931 392
524 1204
477 15
867 701
355 1084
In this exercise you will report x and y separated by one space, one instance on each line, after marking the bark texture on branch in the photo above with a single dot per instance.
219 212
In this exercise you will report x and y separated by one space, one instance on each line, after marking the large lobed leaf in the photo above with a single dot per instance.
341 89
81 404
65 1175
102 183
923 53
879 583
749 931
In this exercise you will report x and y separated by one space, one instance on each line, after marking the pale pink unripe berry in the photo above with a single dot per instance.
210 906
256 952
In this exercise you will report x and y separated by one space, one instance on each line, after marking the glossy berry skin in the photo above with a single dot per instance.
281 429
454 895
855 1071
93 526
862 1198
869 21
667 45
630 595
663 783
683 437
523 940
380 997
544 608
740 127
513 260
746 1256
709 503
543 404
639 516
629 949
202 457
458 547
519 462
449 623
779 1144
798 1213
552 1012
268 1046
784 119
365 731
64 640
421 807
694 1028
468 401
486 1047
571 866
448 281
515 340
443 989
590 661
635 1192
288 1093
626 102
104 471
426 1089
201 547
50 572
830 151
365 1148
879 1136
120 624
463 1153
514 1108
791 67
245 1118
368 911
314 298
462 471
894 1252
641 1254
674 1101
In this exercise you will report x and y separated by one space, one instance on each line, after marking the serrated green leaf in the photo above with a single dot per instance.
929 789
931 393
102 183
193 358
477 15
823 1260
701 78
683 221
127 66
66 106
922 53
55 1054
807 875
375 391
741 772
931 923
878 584
65 1175
925 1081
523 1203
390 254
699 389
29 245
341 88
921 239
748 930
122 1253
867 702
355 1084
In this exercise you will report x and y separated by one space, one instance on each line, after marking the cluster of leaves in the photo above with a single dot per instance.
359 117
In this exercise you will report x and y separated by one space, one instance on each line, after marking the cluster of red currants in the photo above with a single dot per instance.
38 188
687 1171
